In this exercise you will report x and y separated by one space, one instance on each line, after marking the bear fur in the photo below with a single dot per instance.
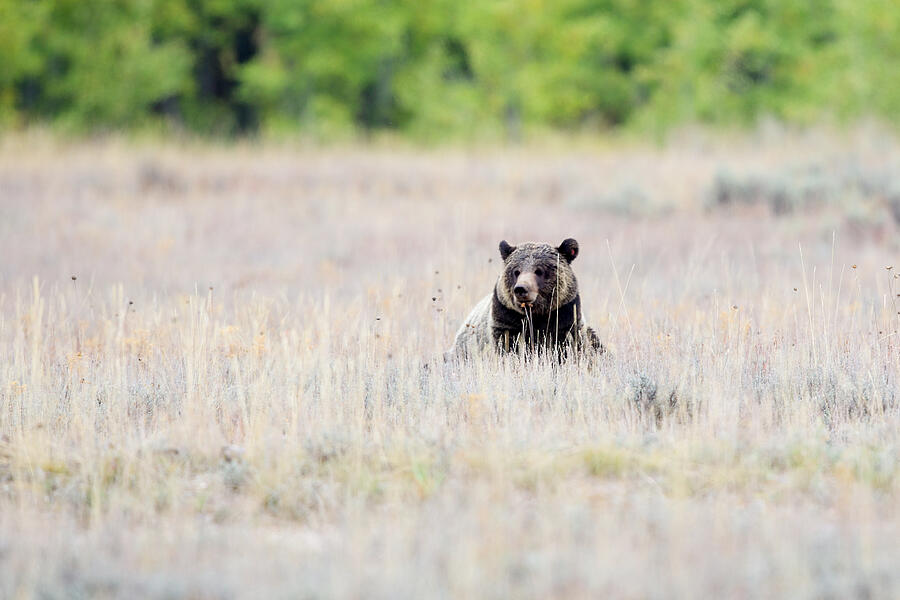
535 305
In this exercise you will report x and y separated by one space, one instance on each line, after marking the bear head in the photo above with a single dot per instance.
537 276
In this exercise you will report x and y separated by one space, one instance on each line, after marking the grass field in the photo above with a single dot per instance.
221 372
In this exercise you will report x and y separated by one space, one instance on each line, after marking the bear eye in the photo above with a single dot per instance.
539 272
517 272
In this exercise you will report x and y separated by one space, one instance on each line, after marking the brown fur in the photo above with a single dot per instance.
557 285
535 303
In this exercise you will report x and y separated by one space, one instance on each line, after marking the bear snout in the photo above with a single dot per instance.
526 288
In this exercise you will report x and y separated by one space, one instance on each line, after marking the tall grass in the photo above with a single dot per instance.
225 379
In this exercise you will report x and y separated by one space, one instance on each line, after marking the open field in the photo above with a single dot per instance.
221 374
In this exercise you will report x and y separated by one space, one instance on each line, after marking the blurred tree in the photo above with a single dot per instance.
222 36
327 65
443 69
19 24
91 65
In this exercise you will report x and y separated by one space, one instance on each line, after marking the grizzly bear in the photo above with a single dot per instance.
535 305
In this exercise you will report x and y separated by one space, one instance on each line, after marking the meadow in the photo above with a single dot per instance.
221 371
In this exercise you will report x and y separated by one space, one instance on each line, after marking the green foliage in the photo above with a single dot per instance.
87 65
442 68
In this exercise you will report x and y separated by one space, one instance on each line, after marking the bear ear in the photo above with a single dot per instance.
568 249
506 249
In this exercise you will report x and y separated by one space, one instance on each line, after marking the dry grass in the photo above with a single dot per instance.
220 377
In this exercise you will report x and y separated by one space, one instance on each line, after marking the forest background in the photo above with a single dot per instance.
443 70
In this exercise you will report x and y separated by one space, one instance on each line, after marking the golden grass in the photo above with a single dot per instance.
221 376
